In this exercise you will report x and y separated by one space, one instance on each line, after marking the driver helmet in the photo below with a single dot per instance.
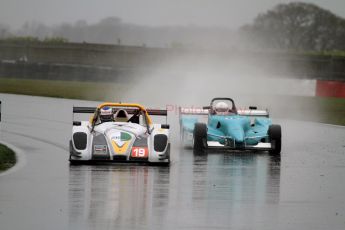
221 108
106 114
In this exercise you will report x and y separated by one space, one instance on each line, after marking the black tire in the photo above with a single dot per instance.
182 138
200 136
70 150
275 135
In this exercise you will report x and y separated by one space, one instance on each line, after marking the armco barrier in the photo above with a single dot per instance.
330 89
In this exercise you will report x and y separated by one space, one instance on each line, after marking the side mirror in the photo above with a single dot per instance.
206 107
76 123
253 107
165 126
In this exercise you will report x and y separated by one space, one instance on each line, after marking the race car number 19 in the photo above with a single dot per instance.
139 152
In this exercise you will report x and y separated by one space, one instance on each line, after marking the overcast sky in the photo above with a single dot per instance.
228 13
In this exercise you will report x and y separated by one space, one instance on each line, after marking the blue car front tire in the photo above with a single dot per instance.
200 136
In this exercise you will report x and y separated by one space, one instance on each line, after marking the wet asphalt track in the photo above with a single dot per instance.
305 189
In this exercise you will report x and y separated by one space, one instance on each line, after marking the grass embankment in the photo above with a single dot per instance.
7 158
305 108
317 109
62 89
333 110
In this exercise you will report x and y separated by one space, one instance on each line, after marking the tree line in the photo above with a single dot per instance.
295 26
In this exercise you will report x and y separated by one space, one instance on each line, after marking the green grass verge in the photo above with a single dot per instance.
7 158
62 89
334 110
317 109
325 110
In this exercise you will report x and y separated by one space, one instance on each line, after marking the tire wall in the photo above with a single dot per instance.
330 89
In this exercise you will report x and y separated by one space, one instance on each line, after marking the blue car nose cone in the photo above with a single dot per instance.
234 129
238 135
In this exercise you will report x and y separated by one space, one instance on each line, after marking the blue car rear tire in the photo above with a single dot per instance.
200 136
275 135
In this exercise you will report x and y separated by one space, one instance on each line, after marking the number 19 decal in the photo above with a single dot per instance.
140 152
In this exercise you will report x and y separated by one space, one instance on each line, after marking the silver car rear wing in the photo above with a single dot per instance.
84 109
0 111
129 110
152 112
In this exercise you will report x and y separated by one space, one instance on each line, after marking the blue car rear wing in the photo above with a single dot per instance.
253 113
242 112
193 111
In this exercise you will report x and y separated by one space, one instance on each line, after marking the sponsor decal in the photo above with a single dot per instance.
120 142
120 138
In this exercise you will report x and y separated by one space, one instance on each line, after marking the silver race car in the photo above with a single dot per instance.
119 132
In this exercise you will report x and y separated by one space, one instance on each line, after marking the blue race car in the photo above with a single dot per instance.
228 127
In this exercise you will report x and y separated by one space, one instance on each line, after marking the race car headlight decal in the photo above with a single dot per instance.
160 142
80 140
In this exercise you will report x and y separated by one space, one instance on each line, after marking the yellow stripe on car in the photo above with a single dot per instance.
118 149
